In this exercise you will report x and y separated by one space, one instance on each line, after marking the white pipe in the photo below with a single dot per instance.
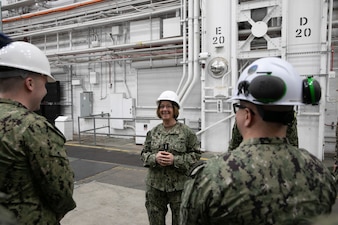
308 113
94 23
233 53
214 124
184 22
329 36
156 63
129 126
124 80
118 47
196 50
190 48
324 80
70 40
203 73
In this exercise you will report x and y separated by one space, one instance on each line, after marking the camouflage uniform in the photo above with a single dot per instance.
291 134
331 219
165 184
6 216
35 171
263 181
335 166
336 155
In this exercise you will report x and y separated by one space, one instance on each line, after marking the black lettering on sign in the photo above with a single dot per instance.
218 40
218 30
303 32
303 21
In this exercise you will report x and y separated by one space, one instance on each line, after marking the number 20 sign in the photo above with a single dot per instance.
303 31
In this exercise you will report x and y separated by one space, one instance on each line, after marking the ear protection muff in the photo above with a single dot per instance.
264 88
267 88
311 91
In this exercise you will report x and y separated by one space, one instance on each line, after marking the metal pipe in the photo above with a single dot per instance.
119 47
330 54
76 16
48 11
196 50
214 124
94 23
190 48
184 23
203 74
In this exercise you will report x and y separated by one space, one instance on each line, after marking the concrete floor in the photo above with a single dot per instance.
109 186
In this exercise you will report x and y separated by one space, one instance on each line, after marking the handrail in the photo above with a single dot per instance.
106 116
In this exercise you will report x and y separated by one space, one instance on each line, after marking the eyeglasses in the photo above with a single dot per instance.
166 106
237 106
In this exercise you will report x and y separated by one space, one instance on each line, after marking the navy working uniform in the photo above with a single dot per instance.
165 184
6 216
265 180
36 174
170 149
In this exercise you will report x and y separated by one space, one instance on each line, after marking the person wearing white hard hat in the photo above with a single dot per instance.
265 180
36 174
170 149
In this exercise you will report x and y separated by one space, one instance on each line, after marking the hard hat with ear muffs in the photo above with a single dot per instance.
273 81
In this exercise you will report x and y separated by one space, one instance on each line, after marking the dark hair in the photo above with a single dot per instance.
284 117
4 40
175 109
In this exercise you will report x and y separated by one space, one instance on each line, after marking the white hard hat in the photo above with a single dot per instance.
25 56
270 81
168 96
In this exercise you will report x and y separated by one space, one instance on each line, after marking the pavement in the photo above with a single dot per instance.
109 182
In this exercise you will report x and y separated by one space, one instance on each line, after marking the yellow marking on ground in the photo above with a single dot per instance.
110 148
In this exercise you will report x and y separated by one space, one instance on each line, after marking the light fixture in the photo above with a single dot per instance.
217 67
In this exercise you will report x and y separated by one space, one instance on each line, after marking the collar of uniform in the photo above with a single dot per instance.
10 101
265 140
173 129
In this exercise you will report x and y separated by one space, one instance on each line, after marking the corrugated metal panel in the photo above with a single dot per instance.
152 82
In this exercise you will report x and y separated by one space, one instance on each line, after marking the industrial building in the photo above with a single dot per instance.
112 59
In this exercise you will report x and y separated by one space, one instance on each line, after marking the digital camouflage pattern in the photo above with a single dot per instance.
36 174
182 143
263 181
331 219
6 216
165 184
291 134
336 154
335 166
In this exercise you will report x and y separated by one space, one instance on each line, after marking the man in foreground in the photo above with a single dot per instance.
266 180
35 172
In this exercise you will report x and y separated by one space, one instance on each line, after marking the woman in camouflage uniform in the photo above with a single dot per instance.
170 149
